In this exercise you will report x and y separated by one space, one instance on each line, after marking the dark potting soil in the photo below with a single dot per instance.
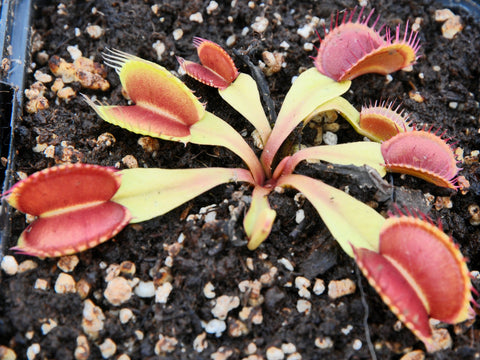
204 260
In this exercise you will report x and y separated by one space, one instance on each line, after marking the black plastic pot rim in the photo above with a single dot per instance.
15 45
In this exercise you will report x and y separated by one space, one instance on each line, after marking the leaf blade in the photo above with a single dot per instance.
164 106
149 193
243 96
351 222
308 92
212 130
259 219
356 153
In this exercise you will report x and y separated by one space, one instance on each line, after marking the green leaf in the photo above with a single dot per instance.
356 153
243 96
350 221
311 90
149 193
259 219
342 106
211 130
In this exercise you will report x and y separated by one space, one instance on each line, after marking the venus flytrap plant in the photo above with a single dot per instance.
387 251
406 283
164 107
202 127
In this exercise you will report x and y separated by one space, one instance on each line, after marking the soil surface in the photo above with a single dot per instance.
58 309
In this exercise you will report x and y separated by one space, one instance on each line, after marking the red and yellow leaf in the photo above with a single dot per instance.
217 70
350 221
62 187
164 106
409 241
213 57
412 257
203 74
259 218
422 154
72 203
395 291
73 231
353 48
378 122
382 122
